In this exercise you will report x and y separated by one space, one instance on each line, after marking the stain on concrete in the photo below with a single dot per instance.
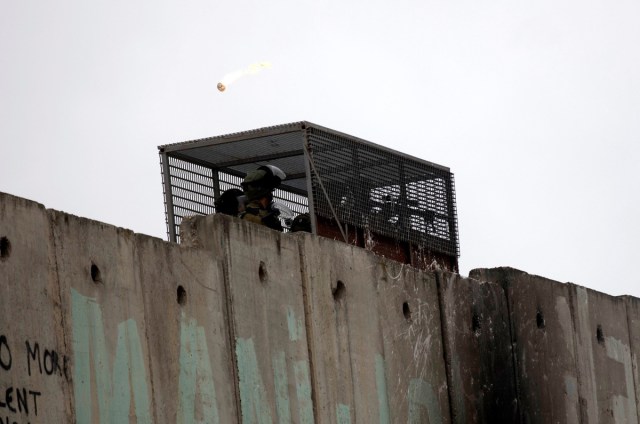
253 395
280 381
303 391
571 399
196 386
295 326
343 414
422 397
111 387
381 386
623 407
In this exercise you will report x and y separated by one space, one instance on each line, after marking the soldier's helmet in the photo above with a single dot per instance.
262 181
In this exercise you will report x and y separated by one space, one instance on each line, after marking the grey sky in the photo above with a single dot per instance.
535 106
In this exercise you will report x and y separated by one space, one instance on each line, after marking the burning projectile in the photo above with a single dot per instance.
234 76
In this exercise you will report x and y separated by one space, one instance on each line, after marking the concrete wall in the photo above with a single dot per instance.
243 324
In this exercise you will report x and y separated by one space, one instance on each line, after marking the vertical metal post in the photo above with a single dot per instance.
358 191
168 196
216 183
307 168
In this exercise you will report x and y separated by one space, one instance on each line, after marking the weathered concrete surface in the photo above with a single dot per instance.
103 306
632 305
543 340
243 324
265 298
344 332
371 363
412 341
605 370
477 337
192 360
35 372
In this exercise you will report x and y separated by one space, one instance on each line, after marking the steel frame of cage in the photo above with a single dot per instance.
391 193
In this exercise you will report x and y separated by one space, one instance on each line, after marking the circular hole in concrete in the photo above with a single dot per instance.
476 324
339 291
600 334
540 319
5 248
95 273
262 272
406 311
181 295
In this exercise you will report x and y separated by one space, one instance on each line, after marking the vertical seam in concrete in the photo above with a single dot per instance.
349 339
627 305
68 379
384 279
228 315
136 256
576 357
576 363
308 318
354 404
504 285
445 348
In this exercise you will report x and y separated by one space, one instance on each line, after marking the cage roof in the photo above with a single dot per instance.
281 145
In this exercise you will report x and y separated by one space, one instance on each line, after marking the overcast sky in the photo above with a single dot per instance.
534 106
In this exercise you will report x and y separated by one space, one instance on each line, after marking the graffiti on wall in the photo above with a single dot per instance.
104 388
254 393
197 390
111 384
19 404
115 382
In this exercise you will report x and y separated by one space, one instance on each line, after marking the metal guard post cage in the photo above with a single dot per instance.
335 177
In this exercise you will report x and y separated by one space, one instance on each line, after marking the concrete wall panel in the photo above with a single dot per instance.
243 324
192 361
35 375
632 305
606 383
106 327
480 361
345 341
412 342
543 340
267 316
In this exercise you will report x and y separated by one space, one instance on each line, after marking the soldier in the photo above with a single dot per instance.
229 202
258 187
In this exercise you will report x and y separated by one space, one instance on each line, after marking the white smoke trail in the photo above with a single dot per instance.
234 76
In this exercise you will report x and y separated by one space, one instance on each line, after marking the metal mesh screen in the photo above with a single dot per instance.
296 203
369 186
384 192
194 189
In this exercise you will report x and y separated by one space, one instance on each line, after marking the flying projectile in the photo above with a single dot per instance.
233 76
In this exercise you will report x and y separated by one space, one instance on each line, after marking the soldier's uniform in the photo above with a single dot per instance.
258 186
254 212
